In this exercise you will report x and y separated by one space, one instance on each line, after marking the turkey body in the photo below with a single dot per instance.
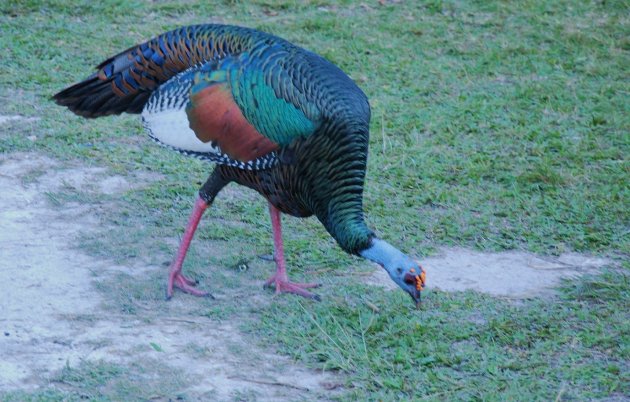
272 116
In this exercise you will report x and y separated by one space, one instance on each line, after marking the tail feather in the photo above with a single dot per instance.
94 98
124 83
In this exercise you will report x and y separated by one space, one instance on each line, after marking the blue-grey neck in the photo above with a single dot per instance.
386 255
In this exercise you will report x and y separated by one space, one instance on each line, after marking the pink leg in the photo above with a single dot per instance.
175 276
280 278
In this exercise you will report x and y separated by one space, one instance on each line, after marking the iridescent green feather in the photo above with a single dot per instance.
276 118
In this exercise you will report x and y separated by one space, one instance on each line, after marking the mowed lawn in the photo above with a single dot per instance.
495 125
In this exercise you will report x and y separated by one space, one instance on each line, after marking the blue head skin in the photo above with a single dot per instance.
402 269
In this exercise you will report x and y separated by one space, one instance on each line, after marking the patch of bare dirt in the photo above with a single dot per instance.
51 315
509 274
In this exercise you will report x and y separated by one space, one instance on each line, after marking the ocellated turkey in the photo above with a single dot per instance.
272 116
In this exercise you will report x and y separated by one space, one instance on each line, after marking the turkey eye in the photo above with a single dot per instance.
399 270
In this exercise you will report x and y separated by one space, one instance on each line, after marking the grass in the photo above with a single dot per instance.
467 346
104 382
496 125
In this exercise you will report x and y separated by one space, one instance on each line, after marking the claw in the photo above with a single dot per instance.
186 285
284 286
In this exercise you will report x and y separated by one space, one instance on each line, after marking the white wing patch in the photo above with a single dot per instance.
169 125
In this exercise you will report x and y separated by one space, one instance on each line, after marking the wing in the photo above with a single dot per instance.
249 105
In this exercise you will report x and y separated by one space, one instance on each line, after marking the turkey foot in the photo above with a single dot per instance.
284 286
178 280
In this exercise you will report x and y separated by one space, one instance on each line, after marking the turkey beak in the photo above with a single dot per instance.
417 298
415 292
418 281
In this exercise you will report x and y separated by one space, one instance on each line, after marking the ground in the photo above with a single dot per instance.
54 317
498 158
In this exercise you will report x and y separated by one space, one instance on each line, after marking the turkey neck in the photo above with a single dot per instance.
336 180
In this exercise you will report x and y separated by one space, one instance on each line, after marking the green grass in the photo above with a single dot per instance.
496 125
466 346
